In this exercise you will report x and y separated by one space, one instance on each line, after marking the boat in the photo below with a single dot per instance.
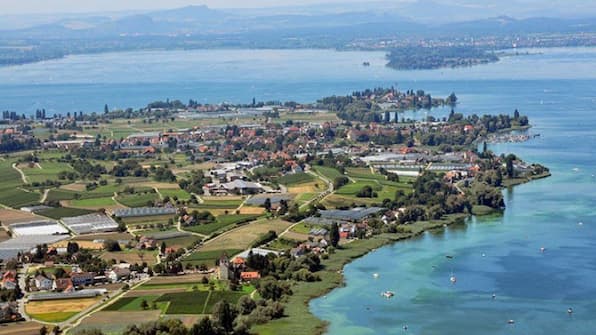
511 322
388 294
542 249
449 256
365 63
569 310
453 279
375 275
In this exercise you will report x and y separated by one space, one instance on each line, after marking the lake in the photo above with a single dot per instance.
500 255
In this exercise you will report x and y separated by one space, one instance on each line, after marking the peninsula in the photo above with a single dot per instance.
241 212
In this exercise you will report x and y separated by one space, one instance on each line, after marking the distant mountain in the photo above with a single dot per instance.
201 20
503 25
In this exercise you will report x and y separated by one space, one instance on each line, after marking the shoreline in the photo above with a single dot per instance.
300 319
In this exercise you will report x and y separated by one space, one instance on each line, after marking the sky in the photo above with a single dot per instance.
539 7
9 7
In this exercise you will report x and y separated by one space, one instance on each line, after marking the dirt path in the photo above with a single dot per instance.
23 177
45 195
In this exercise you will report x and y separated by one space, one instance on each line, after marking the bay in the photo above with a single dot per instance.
499 255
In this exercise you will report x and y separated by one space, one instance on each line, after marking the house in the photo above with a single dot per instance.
9 312
43 283
9 280
118 274
242 187
82 278
146 243
63 285
250 275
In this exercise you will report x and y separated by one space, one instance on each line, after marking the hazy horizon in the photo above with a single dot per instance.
43 7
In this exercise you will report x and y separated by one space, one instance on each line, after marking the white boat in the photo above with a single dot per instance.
388 294
452 279
375 275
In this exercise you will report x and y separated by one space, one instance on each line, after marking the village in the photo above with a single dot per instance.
166 211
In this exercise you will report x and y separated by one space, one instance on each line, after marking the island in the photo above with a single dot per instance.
229 218
428 58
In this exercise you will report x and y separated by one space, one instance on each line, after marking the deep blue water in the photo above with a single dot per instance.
556 89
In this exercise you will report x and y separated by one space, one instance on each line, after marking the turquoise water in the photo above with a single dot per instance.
498 255
557 89
87 82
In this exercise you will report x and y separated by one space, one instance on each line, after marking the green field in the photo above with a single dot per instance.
10 193
53 317
363 173
49 171
208 257
295 179
180 194
63 212
197 302
328 172
222 222
304 198
352 188
94 202
219 204
134 304
136 200
186 302
60 194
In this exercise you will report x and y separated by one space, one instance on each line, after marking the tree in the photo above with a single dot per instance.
245 305
267 205
334 234
162 248
509 165
43 330
340 181
106 110
72 247
111 245
224 315
144 304
203 327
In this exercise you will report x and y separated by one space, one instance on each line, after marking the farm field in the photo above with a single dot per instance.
327 172
134 304
48 170
63 212
295 179
58 310
304 198
177 193
10 216
115 322
131 256
223 221
243 237
137 200
94 203
58 194
208 257
20 328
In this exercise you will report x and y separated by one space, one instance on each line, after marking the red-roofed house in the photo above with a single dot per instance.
248 276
